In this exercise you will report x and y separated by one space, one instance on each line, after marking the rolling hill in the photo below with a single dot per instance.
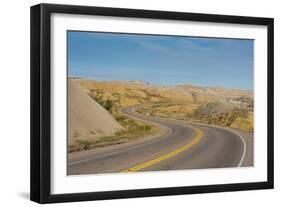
86 118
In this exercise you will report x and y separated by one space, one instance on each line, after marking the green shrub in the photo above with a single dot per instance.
107 104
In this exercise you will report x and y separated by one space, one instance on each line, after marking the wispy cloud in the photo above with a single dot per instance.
157 58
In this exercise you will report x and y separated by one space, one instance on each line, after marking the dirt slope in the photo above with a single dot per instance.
87 120
225 114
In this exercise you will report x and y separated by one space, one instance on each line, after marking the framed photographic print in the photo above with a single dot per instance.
133 103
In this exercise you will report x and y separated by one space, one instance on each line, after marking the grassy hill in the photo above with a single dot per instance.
213 105
93 121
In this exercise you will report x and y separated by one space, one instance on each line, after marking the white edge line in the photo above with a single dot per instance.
114 153
245 147
227 129
230 130
170 131
239 135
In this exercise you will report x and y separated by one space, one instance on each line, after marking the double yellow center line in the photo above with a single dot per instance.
199 135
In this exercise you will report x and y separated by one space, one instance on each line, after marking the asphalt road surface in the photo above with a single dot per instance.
181 146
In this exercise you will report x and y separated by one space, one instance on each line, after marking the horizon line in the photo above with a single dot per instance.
167 85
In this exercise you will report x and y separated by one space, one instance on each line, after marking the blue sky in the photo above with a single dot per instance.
163 60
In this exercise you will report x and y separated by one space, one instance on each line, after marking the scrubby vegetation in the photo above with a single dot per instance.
181 111
107 104
122 94
132 130
225 114
219 113
223 107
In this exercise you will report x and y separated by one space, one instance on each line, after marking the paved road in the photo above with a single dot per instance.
181 146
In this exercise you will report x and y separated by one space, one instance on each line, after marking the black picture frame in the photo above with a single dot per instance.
41 98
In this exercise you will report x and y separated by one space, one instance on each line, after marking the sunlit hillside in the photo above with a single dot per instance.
212 105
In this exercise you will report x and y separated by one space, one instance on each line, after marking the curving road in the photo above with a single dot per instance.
180 146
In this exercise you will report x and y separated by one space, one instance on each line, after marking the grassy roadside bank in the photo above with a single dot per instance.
215 113
133 130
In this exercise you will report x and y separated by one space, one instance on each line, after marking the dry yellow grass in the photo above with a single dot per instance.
181 111
179 102
244 123
128 94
